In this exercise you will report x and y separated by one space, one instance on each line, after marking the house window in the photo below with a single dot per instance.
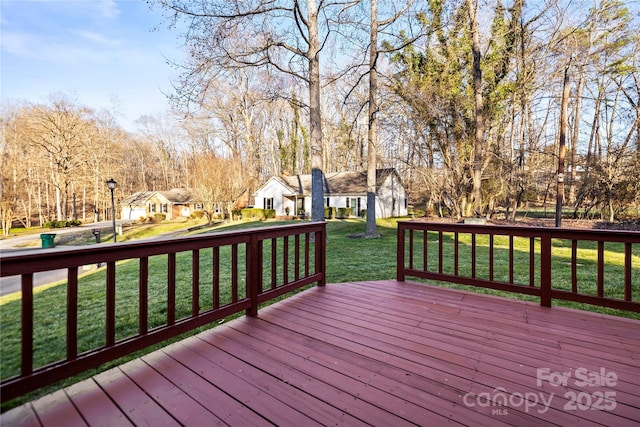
163 208
268 202
198 206
152 207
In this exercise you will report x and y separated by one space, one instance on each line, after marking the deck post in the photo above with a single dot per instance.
545 269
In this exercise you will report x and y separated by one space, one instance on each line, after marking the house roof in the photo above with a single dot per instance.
175 196
337 183
137 198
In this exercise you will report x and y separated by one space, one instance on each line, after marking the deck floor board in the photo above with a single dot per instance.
372 353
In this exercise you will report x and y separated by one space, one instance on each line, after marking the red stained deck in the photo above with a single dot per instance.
380 353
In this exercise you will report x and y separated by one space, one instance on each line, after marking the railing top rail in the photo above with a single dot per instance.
625 236
14 263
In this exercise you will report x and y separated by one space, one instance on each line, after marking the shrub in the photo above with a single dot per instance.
62 224
344 213
253 213
363 213
329 212
159 217
269 213
197 214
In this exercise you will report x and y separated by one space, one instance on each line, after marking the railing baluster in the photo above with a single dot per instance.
253 251
545 270
491 257
306 254
285 260
425 251
320 248
600 279
511 259
627 272
234 272
532 260
143 296
440 252
195 282
297 257
473 255
456 253
110 330
215 271
171 289
26 358
72 313
574 265
274 262
411 249
259 264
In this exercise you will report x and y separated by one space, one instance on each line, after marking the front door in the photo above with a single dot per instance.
354 206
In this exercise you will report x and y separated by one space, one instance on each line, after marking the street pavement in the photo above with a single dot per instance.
28 243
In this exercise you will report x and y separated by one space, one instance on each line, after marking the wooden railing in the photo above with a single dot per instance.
277 260
550 263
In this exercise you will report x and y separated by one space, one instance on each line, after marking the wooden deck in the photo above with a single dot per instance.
373 353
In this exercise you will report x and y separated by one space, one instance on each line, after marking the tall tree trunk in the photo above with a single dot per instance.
372 135
638 123
478 151
561 146
574 139
315 118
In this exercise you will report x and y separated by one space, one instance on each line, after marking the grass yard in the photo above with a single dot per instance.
349 258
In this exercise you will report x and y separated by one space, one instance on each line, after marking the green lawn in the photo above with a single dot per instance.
349 258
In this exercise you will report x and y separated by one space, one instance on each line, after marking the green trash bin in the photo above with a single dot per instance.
47 240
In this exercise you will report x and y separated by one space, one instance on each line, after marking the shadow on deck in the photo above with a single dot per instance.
379 353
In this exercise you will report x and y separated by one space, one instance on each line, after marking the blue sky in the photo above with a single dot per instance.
105 54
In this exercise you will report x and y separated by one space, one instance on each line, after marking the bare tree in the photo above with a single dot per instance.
372 135
278 34
60 130
479 141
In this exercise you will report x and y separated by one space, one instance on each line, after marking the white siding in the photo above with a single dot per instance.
391 190
274 189
134 213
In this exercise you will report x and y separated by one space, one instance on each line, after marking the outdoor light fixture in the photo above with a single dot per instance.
111 183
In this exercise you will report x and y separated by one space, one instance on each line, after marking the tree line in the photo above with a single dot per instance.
482 106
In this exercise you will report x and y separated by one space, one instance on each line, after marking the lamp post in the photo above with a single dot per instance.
111 183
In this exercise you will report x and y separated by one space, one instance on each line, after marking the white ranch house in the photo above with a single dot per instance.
341 190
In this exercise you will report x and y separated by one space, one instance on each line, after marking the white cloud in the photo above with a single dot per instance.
108 8
92 36
17 43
